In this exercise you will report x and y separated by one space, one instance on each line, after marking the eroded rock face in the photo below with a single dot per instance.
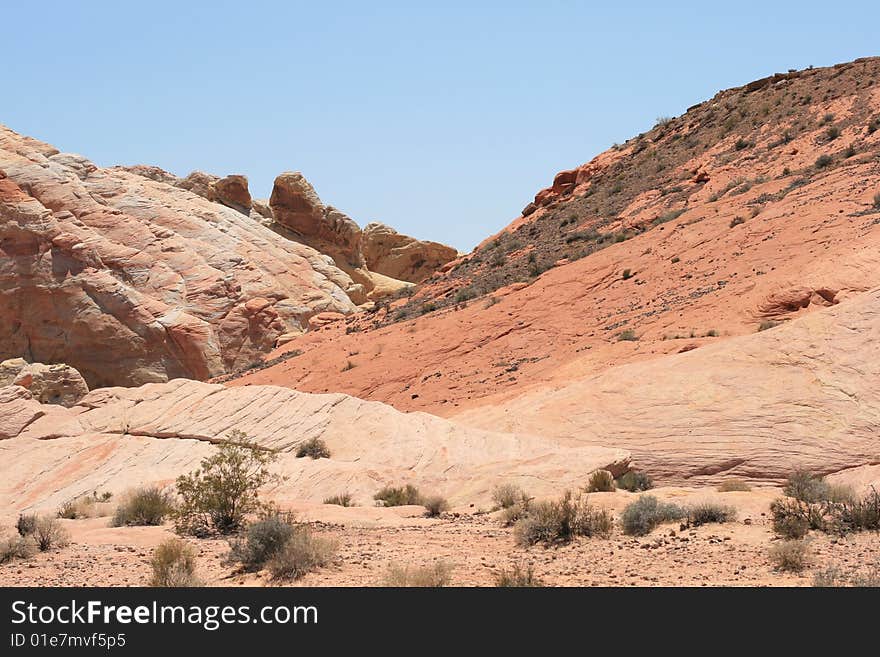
48 384
130 279
159 431
232 191
399 256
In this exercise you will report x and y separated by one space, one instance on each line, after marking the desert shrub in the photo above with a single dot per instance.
836 577
26 524
301 554
398 496
343 499
465 294
49 534
741 144
512 514
877 200
507 495
627 336
518 577
627 274
642 516
224 489
262 541
559 521
708 512
794 518
145 506
16 547
79 507
857 515
173 564
601 481
734 484
313 448
806 487
635 481
823 161
435 505
790 555
736 221
832 133
437 574
768 324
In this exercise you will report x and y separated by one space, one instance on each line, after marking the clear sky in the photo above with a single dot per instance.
442 120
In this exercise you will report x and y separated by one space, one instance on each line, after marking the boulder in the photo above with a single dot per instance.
48 384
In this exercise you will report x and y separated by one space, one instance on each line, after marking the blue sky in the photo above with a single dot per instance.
442 120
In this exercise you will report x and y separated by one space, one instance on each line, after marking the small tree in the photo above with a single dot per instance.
225 488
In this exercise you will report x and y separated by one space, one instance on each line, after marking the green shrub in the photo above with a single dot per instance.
635 481
768 324
313 448
27 523
49 534
145 506
465 294
823 161
262 541
343 499
398 496
877 201
507 495
435 575
301 554
709 512
806 487
435 505
552 522
601 481
626 275
173 564
790 555
733 484
224 489
641 517
16 547
736 221
518 577
627 336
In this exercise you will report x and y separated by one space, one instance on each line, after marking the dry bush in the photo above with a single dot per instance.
86 506
49 534
343 499
733 485
435 505
708 512
399 496
16 547
642 516
518 577
559 521
836 577
793 518
807 487
27 523
313 448
145 506
437 574
262 541
301 554
857 514
790 555
507 495
512 514
173 564
600 481
635 481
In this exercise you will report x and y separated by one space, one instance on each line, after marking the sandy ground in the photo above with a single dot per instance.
369 540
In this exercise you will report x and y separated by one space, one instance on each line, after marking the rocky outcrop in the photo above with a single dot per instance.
130 279
399 256
48 384
232 191
127 436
